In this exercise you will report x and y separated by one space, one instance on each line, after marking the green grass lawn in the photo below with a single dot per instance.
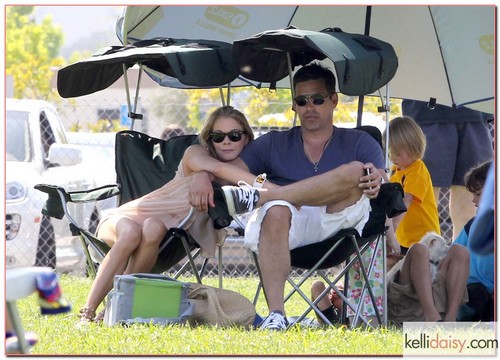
62 335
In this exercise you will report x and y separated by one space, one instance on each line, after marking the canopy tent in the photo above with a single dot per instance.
445 53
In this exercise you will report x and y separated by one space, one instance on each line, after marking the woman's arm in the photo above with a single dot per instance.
197 159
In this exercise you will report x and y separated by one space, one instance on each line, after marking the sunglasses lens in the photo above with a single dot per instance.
217 137
318 99
300 100
234 136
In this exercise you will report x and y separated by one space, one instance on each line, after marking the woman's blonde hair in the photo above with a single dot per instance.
406 135
223 111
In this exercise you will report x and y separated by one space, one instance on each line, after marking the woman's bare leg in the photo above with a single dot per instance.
144 258
128 238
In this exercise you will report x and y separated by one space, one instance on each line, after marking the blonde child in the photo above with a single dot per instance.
406 150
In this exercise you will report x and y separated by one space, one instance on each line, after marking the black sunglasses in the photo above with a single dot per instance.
316 99
234 136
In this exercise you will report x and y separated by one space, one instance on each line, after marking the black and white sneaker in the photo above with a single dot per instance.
240 199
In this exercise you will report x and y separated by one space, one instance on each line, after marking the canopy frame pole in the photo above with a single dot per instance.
292 90
127 90
136 100
221 92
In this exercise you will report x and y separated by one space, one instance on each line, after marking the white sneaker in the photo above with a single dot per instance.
275 321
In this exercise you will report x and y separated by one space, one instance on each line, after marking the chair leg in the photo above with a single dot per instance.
220 268
259 287
18 327
186 265
191 259
366 279
203 268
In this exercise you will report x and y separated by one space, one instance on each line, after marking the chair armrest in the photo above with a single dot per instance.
54 206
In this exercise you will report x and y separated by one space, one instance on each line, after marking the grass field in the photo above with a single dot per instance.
62 335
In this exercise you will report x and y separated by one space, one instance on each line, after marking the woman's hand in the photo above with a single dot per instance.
201 191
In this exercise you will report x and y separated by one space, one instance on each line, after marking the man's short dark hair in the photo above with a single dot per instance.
315 72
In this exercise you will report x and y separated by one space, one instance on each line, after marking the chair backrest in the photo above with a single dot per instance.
373 131
144 163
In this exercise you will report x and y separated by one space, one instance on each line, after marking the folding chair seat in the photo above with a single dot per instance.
142 164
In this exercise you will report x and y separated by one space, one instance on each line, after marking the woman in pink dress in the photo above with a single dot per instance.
135 229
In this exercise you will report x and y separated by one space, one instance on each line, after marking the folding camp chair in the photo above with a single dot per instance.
143 164
348 247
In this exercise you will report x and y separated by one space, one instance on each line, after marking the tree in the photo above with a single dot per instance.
32 53
266 108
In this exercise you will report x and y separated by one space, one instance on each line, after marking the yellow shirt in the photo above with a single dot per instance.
422 215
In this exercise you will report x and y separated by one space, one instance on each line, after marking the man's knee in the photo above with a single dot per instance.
277 216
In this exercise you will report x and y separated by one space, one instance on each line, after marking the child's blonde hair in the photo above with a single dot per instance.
406 135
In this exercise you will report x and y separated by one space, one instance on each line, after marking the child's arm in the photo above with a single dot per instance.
408 199
392 242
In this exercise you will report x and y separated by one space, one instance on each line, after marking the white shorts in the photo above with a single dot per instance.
310 224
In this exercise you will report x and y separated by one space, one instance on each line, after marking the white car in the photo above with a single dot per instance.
37 152
98 153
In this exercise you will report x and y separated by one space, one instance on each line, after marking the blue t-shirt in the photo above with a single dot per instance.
280 154
482 267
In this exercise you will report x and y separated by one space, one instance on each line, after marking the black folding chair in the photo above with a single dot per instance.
143 164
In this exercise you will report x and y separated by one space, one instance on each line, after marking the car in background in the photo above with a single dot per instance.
98 158
37 152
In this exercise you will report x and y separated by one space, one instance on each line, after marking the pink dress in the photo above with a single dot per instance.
170 204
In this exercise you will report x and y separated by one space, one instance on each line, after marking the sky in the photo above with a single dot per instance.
79 22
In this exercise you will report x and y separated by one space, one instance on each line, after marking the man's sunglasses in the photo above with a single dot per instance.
316 99
234 136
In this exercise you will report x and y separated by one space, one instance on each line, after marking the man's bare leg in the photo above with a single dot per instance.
274 255
337 188
416 271
456 271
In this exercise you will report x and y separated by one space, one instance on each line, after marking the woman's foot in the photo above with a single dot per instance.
100 316
87 314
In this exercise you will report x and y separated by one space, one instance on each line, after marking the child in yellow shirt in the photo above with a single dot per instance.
406 149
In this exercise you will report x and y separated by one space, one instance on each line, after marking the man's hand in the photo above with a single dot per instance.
371 181
201 192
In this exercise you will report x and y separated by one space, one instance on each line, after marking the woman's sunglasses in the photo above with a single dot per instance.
316 99
234 136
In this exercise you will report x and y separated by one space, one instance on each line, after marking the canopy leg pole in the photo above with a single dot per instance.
129 105
221 92
136 100
228 101
361 101
292 90
387 115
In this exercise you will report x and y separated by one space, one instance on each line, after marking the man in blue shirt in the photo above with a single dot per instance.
324 186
